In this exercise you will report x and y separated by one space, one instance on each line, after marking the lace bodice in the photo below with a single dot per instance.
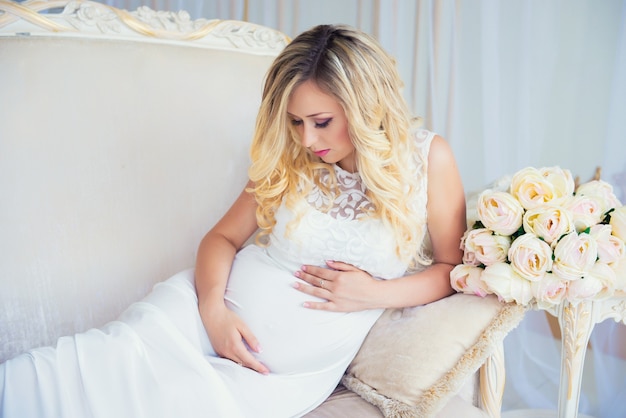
345 232
351 204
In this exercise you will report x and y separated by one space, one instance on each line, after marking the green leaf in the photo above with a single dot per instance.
607 217
518 233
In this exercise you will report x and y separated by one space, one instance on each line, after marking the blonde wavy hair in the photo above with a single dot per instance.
350 66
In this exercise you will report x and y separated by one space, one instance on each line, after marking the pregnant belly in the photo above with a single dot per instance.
294 339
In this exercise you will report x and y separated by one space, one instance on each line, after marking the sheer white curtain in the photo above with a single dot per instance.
509 84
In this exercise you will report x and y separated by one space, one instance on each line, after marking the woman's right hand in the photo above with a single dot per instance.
231 337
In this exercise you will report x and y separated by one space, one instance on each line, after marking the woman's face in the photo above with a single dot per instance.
322 125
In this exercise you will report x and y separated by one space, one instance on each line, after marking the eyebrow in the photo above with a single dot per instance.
310 116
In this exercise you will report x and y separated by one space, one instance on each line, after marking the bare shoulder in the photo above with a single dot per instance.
440 153
442 167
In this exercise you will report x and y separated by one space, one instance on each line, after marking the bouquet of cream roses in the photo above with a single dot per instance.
542 241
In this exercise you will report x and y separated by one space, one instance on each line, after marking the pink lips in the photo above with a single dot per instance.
322 152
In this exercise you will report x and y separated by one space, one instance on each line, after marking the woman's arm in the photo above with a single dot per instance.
446 225
215 257
347 288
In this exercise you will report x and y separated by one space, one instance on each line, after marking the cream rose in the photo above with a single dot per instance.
598 284
549 291
532 189
500 212
620 275
501 279
618 222
466 279
574 255
530 257
548 222
585 210
610 247
601 191
583 289
469 257
561 180
606 275
487 248
500 185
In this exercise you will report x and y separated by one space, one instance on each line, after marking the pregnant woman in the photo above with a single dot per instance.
355 209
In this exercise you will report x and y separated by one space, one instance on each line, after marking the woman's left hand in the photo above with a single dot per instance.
345 287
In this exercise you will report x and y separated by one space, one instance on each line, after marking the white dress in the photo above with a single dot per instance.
156 359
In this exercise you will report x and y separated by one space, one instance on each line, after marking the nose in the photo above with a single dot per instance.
308 136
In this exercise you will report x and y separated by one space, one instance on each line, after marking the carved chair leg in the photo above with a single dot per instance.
492 377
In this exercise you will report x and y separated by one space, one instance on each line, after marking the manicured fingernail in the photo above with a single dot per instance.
297 274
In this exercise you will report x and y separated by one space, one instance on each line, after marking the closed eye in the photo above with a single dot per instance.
319 125
323 124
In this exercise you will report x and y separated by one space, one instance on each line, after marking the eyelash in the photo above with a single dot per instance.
322 125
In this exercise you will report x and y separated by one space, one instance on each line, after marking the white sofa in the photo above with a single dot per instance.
123 138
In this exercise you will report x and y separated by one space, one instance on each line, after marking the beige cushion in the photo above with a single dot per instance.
415 360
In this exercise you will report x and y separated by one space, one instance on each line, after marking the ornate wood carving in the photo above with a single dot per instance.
576 321
36 17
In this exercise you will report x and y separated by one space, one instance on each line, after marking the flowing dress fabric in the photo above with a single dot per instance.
156 360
